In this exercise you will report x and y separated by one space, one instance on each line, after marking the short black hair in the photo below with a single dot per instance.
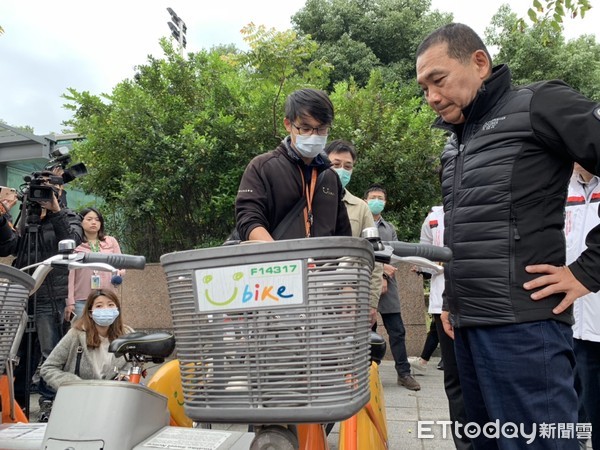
462 42
375 188
309 102
341 146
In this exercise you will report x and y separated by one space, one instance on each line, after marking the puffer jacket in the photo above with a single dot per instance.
504 184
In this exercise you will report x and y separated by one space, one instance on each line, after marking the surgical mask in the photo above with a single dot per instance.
105 317
376 205
310 146
344 176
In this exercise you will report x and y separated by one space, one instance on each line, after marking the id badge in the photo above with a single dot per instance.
95 282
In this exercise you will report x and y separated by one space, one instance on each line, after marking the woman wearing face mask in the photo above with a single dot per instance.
88 341
84 281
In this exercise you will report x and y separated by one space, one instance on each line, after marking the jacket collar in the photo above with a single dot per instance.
488 95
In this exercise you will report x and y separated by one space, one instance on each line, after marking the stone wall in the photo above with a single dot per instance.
414 312
146 304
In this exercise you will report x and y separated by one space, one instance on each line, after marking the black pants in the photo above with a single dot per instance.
432 340
452 387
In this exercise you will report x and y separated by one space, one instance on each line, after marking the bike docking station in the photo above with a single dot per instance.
113 415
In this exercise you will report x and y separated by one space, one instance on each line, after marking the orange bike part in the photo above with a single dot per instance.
167 381
311 436
135 378
367 429
19 415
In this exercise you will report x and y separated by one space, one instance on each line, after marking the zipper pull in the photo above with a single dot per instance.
516 235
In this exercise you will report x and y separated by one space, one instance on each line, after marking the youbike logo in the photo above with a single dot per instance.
250 286
507 430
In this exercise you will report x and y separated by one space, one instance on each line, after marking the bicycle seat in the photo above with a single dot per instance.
154 345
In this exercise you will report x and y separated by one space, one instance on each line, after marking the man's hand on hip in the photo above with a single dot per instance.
555 280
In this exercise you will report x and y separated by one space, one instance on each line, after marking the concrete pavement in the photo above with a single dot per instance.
405 408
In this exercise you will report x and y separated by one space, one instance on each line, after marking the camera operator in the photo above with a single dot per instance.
46 223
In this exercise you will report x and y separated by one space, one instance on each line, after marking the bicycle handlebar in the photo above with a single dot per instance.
118 261
97 261
430 252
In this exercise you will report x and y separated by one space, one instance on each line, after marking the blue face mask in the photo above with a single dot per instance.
344 176
105 317
376 205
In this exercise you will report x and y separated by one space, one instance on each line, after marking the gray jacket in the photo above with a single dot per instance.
389 302
59 368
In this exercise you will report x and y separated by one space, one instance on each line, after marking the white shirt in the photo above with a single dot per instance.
581 215
432 232
101 359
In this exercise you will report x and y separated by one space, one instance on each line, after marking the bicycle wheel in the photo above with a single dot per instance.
274 437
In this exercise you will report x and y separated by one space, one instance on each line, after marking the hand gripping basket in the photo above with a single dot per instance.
273 332
14 293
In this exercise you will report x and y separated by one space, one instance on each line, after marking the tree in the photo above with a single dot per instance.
166 149
360 35
553 11
279 63
539 52
391 129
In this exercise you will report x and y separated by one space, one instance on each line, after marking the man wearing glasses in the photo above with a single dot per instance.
290 191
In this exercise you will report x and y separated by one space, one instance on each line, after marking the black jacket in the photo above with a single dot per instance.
64 224
504 182
272 185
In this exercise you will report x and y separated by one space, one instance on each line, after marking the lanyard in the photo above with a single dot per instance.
95 246
308 215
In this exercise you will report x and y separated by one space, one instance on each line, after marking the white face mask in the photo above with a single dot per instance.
310 146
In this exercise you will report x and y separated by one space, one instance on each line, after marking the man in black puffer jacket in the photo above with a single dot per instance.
30 246
508 293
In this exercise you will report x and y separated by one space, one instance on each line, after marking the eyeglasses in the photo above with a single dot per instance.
305 131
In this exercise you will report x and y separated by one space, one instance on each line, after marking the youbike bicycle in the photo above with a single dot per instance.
275 335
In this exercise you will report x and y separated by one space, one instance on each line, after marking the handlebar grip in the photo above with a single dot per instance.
431 252
118 261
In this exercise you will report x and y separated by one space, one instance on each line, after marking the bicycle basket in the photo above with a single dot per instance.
273 332
14 292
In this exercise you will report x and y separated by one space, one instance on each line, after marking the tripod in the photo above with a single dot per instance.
30 250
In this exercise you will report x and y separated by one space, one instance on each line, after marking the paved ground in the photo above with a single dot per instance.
403 407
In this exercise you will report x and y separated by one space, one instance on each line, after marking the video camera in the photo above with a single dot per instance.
39 186
61 158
